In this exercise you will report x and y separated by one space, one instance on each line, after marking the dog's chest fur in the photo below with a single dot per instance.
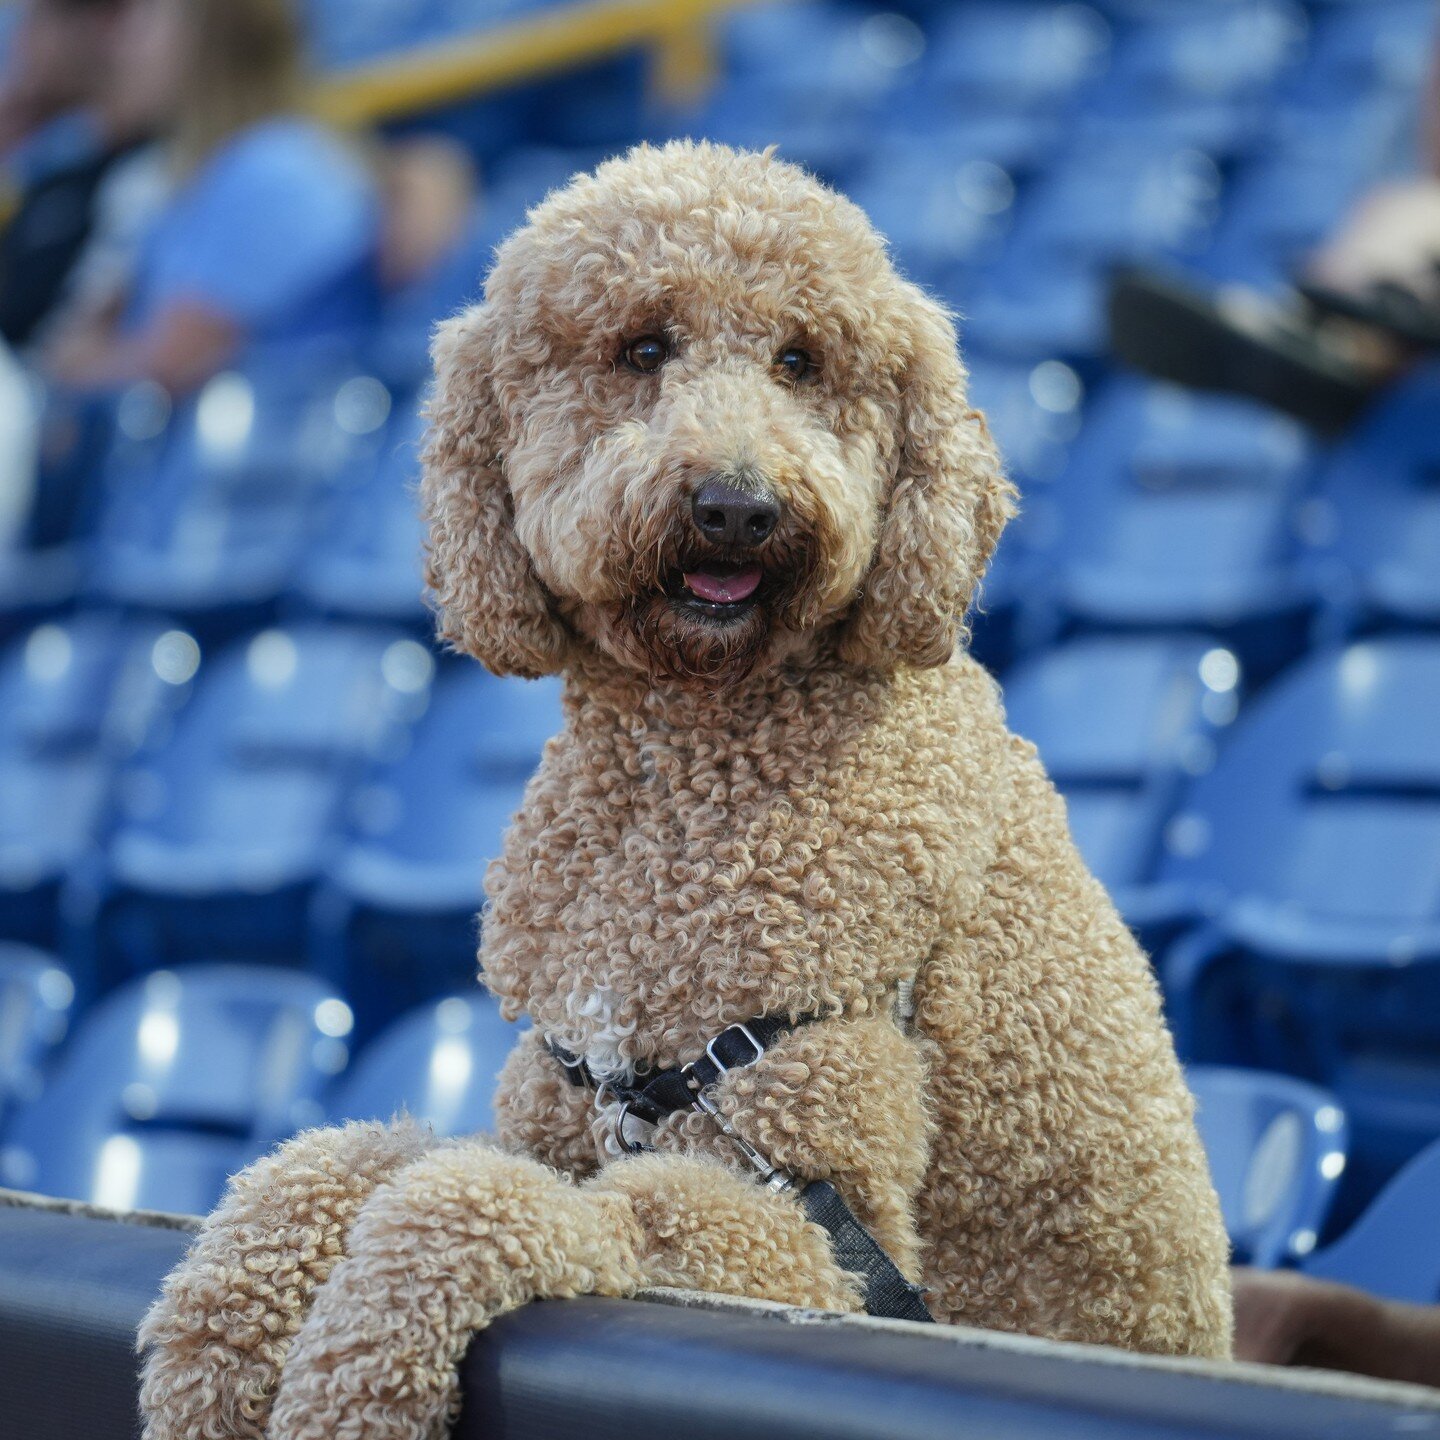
678 866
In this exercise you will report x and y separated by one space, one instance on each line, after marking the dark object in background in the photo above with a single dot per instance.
39 247
1179 332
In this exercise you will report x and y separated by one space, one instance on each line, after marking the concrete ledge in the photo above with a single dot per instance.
75 1281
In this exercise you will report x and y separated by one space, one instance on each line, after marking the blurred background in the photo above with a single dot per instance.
245 803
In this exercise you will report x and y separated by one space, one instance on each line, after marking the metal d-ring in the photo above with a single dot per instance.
630 1147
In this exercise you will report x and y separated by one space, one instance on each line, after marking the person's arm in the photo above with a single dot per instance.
1282 1318
181 349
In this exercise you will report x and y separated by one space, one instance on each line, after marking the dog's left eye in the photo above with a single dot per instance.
647 354
795 364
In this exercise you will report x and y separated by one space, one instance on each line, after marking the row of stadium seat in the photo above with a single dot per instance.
1015 151
1298 852
1162 509
180 1078
163 793
1144 508
332 792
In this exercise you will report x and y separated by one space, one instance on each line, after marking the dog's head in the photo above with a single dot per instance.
697 419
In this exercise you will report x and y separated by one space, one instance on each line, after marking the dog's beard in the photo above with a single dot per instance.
666 629
696 649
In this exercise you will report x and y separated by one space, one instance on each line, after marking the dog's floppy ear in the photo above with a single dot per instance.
489 601
948 502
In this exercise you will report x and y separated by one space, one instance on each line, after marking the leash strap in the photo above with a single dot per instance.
887 1292
655 1094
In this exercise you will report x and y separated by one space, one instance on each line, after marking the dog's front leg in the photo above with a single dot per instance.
217 1337
840 1100
702 1226
462 1235
468 1233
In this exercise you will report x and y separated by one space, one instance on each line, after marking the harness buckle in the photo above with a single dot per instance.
720 1065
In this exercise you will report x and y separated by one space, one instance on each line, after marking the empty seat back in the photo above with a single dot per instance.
246 790
1378 509
1393 1249
1325 806
437 1064
367 559
1120 722
177 1080
76 697
448 799
210 502
1277 1148
36 996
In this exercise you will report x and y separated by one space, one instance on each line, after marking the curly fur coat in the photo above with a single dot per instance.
788 804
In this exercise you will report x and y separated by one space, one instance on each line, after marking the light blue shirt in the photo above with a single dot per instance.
278 231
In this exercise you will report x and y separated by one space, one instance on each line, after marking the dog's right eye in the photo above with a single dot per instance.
647 354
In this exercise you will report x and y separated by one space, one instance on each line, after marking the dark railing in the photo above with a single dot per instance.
73 1287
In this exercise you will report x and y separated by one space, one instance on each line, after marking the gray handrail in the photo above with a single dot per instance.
74 1284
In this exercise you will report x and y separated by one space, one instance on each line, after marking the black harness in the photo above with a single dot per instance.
653 1094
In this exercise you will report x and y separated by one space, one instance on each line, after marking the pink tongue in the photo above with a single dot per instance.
724 589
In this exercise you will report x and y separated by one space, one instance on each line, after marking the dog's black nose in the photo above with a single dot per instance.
726 515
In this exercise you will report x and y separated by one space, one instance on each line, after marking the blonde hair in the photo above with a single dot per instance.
245 64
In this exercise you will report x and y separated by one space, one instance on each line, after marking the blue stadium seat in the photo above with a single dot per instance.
36 998
175 1082
1035 413
366 562
1377 512
824 134
438 1064
208 512
1314 846
1179 511
41 553
1393 1249
395 922
1121 722
940 210
1103 205
1357 49
1054 311
225 822
819 81
76 697
1201 76
1230 51
1007 54
758 39
1021 144
1277 1148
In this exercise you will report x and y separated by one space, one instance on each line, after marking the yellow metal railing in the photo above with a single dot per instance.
676 33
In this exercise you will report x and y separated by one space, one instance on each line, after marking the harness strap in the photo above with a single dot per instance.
654 1094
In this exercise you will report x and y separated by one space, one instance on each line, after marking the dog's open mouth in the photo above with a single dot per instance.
717 589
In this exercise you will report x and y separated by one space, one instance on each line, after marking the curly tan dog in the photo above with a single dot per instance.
702 451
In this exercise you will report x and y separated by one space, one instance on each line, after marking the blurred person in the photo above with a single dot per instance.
1365 306
62 139
270 234
429 187
1282 1318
